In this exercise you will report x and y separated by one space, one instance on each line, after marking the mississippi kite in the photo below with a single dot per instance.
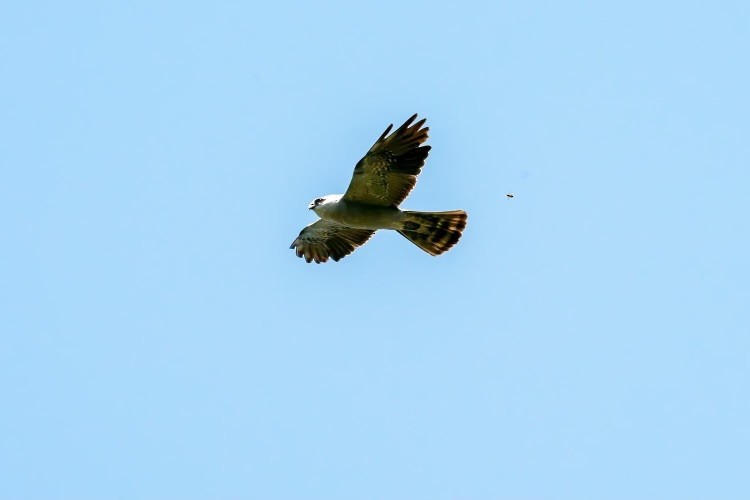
381 181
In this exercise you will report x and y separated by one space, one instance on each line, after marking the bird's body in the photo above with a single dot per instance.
358 215
381 181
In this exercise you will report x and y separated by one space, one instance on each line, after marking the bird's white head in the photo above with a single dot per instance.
324 203
317 201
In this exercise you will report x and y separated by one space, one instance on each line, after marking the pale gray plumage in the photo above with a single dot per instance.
381 181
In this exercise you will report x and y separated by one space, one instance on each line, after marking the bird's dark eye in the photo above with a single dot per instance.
318 201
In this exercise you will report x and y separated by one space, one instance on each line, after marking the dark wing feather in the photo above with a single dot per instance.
323 239
389 170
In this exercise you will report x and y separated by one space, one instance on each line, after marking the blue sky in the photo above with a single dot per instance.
586 339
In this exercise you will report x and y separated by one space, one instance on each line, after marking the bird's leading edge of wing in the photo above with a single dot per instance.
389 170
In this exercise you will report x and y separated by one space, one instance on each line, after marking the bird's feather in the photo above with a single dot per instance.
389 170
323 239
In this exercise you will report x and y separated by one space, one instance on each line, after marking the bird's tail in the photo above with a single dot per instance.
434 232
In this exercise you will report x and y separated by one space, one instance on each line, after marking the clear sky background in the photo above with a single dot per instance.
588 338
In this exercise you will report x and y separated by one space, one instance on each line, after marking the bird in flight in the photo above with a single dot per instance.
381 181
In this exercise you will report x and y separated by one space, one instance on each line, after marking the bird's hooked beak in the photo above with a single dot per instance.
311 206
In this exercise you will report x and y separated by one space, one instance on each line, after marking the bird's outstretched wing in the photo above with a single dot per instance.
323 239
389 170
